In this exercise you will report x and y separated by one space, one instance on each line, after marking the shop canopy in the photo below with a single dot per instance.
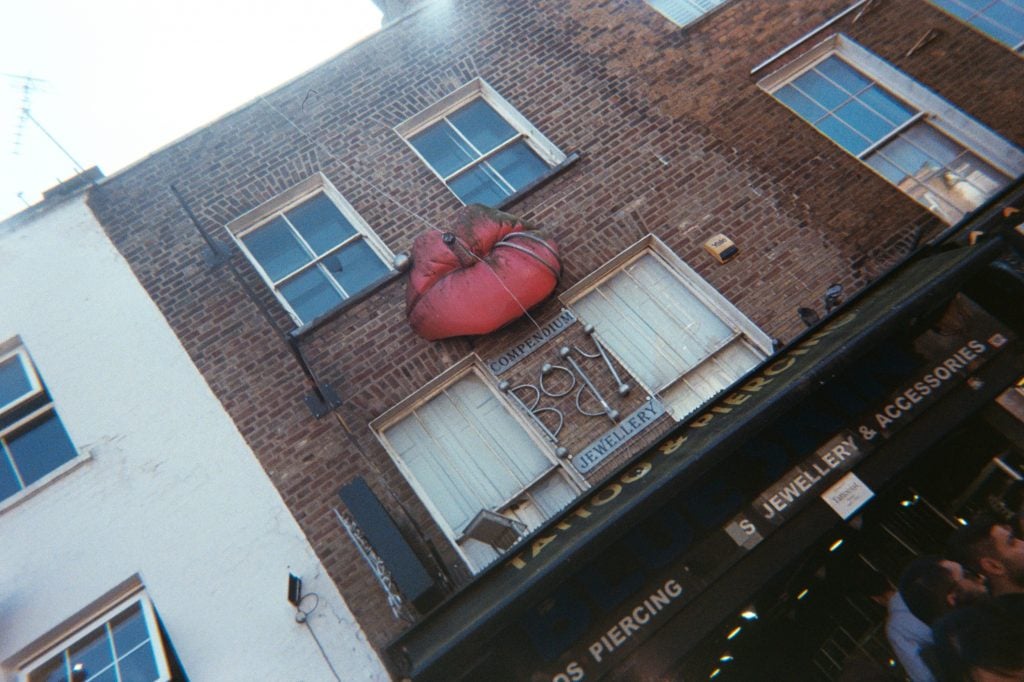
523 607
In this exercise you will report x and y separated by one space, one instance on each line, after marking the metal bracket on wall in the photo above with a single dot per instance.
320 402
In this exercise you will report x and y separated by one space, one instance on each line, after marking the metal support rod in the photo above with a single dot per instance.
322 393
611 412
29 116
621 386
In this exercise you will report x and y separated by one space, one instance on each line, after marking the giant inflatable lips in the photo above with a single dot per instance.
484 272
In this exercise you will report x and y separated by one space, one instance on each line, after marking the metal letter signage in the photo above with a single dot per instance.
533 342
598 451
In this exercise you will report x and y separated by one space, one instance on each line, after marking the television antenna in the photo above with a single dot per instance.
29 84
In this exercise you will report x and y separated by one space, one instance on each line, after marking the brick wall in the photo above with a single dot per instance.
675 139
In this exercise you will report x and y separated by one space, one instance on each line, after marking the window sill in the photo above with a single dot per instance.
569 161
308 327
44 482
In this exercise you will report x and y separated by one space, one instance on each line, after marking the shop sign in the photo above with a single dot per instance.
535 341
586 628
847 495
602 448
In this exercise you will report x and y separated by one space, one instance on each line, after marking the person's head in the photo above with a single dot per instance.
983 642
990 547
932 586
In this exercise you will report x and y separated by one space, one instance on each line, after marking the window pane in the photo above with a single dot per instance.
8 481
518 165
843 75
679 11
843 135
310 294
482 125
91 655
799 103
53 671
14 381
934 143
864 121
129 628
275 247
1003 23
139 666
887 106
821 90
443 149
479 186
320 223
891 173
355 267
40 448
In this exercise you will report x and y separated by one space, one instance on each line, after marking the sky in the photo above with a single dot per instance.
118 79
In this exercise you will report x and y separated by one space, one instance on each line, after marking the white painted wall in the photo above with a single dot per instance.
170 492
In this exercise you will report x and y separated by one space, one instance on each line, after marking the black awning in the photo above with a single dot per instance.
521 607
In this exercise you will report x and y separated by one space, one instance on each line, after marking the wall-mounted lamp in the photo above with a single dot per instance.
294 589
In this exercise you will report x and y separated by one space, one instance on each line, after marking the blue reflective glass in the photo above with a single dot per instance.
91 654
310 294
939 147
910 159
442 148
139 666
843 75
1004 23
864 121
959 8
355 267
796 101
843 135
8 481
888 170
276 249
887 106
54 670
821 90
482 125
14 382
129 628
320 223
478 186
40 448
109 675
519 165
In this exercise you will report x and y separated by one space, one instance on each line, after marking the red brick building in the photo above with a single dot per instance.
818 144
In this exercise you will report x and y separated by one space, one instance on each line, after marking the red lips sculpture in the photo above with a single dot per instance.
488 269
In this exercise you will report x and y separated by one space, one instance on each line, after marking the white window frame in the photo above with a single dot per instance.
732 316
15 348
660 7
72 631
469 365
479 89
36 385
289 199
938 112
942 6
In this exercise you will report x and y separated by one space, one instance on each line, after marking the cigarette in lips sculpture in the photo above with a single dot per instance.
483 272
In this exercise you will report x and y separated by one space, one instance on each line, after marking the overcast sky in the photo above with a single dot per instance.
122 78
